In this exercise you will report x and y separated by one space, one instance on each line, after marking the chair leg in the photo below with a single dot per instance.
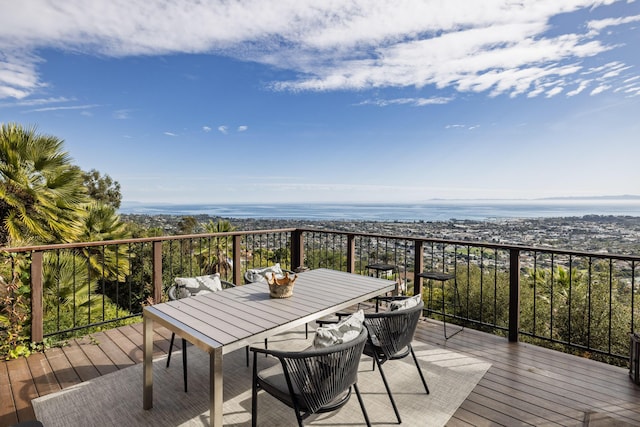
415 359
184 363
184 358
386 385
444 315
173 335
364 411
254 392
246 351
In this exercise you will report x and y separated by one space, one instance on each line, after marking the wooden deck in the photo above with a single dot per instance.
526 385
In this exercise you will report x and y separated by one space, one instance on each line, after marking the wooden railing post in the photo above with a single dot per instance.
297 249
351 253
157 271
418 266
37 328
237 263
514 294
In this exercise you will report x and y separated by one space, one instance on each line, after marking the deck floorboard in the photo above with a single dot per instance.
525 386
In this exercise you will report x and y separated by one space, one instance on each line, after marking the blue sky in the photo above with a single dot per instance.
337 101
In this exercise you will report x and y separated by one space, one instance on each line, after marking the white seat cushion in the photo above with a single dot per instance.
338 333
405 303
200 284
262 274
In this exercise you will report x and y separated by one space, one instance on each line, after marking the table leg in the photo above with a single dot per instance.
216 392
147 369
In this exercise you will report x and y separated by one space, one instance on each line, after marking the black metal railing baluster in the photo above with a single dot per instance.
552 293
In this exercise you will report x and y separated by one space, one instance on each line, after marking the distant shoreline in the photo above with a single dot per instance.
612 234
410 212
621 197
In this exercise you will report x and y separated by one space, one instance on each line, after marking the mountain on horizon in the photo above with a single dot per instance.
619 197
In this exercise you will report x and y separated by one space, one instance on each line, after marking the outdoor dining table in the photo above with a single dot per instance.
224 321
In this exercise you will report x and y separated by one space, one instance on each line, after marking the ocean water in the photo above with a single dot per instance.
479 210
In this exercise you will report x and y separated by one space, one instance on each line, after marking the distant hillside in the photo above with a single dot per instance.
620 197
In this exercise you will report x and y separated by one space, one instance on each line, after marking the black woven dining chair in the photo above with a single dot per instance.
390 336
176 292
311 381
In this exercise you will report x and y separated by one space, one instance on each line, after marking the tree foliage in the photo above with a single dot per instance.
214 254
102 188
41 193
187 225
45 199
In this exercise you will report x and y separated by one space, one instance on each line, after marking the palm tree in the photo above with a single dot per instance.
41 193
214 256
44 199
102 223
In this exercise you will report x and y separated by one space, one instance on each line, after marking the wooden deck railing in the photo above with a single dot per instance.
581 301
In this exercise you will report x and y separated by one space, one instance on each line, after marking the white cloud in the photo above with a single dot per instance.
537 91
242 128
36 101
122 114
223 129
582 86
633 91
460 126
418 102
601 24
206 128
494 46
170 134
553 92
18 75
599 89
73 107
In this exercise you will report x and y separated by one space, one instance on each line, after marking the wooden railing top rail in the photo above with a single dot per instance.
482 244
141 240
489 245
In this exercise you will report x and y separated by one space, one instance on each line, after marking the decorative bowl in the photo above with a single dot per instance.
281 287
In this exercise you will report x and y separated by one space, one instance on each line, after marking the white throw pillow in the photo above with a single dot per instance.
200 284
339 333
262 274
403 304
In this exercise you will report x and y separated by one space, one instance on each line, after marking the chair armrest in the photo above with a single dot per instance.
333 321
327 322
392 298
278 354
259 350
176 292
171 293
227 285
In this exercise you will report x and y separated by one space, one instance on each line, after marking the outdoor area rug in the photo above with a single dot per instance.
116 399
